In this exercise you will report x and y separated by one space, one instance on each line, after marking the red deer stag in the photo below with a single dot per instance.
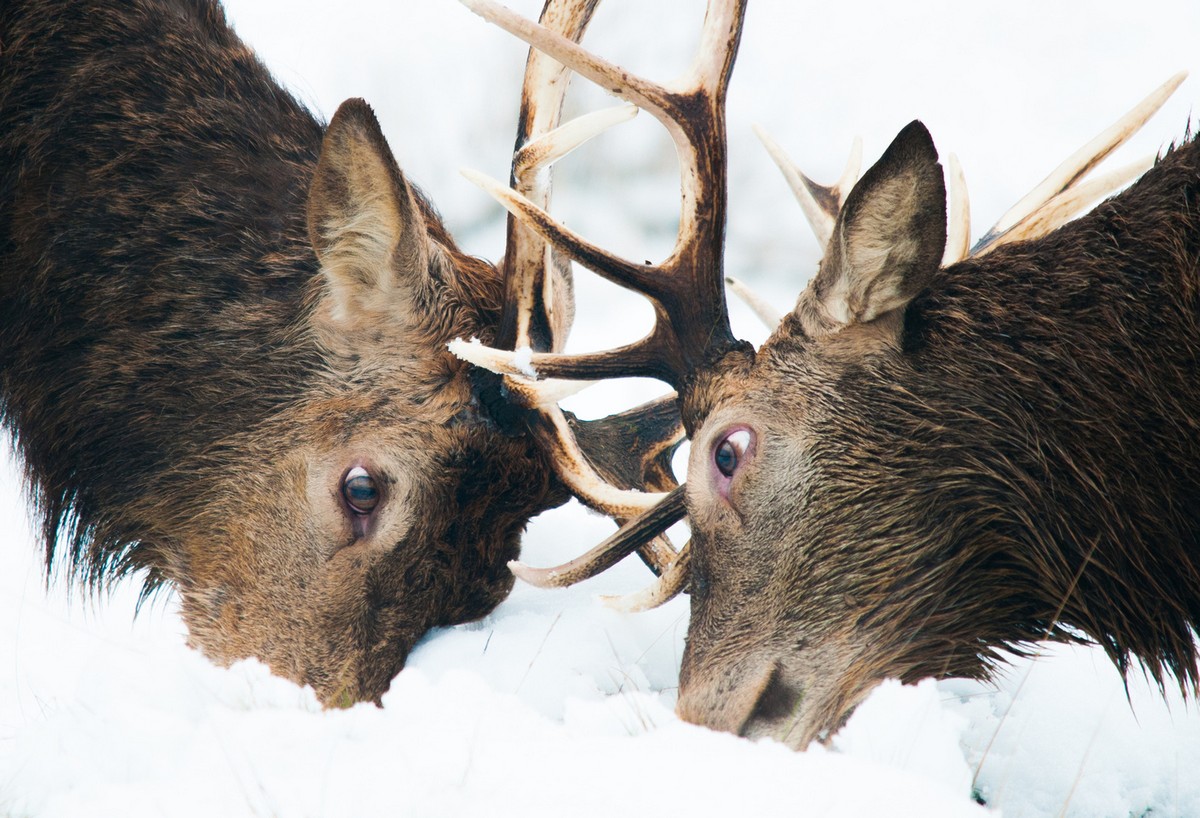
223 333
924 465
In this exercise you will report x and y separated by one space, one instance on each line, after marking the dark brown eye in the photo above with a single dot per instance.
729 452
359 490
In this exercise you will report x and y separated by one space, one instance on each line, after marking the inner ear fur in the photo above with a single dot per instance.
365 223
887 243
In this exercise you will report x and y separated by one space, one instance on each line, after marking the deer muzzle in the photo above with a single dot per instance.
769 694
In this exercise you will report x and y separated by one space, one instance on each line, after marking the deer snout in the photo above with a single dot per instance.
759 700
768 697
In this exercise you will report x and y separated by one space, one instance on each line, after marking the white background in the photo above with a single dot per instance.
554 705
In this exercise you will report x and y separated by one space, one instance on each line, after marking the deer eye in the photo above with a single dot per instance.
359 491
730 451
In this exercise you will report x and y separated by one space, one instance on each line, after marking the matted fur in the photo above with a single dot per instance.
186 385
1011 455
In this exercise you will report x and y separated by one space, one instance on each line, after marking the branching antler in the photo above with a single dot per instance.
686 289
691 326
530 318
536 316
1060 197
1063 195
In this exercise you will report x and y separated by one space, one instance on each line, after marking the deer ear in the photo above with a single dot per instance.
365 224
887 242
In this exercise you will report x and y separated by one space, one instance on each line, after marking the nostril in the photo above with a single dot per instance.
757 699
778 702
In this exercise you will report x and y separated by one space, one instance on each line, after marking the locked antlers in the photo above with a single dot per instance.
691 328
691 325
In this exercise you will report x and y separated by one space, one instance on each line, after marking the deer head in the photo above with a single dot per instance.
902 485
223 339
918 469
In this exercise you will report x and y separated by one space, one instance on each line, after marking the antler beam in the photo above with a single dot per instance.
687 289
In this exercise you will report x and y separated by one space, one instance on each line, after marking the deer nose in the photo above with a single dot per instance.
742 699
776 713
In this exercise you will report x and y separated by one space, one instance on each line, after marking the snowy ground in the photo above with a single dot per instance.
555 705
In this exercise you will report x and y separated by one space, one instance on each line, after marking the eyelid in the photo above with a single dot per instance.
737 443
361 517
740 440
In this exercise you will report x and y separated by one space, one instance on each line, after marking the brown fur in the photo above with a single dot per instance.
1011 453
187 384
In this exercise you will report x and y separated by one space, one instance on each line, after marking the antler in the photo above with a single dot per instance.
537 313
686 289
691 324
1060 197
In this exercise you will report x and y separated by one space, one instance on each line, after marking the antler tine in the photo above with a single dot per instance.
757 304
1071 202
820 203
958 221
574 469
614 268
850 174
641 359
1078 164
568 52
686 287
820 210
671 584
623 542
555 436
543 151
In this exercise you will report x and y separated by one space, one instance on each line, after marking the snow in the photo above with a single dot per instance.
555 704
523 360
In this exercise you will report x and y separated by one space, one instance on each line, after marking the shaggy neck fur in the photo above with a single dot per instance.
1046 417
155 269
